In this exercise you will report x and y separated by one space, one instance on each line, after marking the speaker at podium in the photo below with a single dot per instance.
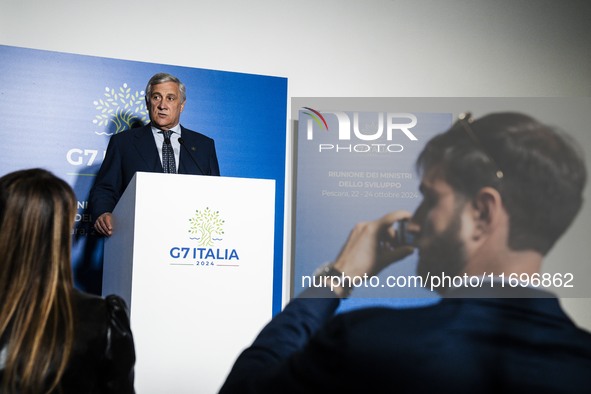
193 258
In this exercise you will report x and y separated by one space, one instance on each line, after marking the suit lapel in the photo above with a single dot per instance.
146 148
186 165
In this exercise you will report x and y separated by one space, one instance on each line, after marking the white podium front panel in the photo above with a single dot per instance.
201 277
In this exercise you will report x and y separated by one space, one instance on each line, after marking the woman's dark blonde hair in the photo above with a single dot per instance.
36 318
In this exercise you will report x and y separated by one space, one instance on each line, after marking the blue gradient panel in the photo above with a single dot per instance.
58 109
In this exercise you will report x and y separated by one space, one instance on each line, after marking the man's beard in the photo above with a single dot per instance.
444 255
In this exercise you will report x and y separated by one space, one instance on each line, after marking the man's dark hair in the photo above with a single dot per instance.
542 172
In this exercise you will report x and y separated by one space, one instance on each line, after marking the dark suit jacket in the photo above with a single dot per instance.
460 345
134 150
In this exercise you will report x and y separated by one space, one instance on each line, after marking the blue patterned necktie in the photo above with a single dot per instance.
168 162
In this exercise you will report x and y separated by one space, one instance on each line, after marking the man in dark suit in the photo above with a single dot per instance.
141 149
498 192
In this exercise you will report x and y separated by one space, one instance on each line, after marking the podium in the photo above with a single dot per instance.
193 258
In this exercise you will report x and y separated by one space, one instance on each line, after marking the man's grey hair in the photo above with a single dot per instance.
161 78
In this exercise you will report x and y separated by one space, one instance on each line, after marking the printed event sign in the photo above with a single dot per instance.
352 167
353 160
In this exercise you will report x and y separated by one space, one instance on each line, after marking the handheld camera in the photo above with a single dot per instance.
403 236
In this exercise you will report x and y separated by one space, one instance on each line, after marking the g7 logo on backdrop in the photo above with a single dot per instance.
80 157
118 110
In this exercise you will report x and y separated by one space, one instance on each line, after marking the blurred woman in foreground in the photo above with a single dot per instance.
53 338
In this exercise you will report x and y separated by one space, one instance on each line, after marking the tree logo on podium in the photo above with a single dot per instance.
121 109
207 227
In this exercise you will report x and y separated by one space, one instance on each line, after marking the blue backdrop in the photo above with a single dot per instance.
59 110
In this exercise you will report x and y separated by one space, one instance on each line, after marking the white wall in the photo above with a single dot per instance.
349 48
333 47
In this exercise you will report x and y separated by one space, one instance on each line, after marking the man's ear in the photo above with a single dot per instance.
487 210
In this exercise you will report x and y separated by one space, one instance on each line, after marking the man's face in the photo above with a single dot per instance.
165 105
440 243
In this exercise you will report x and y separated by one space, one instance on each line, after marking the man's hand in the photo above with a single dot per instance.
370 247
104 225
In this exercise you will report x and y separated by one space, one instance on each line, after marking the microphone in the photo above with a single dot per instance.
182 142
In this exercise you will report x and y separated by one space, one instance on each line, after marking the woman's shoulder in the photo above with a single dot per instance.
97 311
104 322
104 353
92 303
